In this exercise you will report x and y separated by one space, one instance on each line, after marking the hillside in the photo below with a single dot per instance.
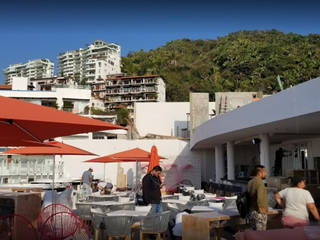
241 61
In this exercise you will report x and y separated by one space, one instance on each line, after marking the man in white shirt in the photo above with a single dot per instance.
86 181
296 202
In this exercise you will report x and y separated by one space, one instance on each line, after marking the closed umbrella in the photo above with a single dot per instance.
27 124
154 158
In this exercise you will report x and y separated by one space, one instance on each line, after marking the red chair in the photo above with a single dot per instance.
49 211
14 226
59 226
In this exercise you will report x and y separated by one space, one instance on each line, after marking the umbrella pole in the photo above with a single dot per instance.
104 172
136 176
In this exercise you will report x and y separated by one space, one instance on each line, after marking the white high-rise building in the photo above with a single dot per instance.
38 68
94 62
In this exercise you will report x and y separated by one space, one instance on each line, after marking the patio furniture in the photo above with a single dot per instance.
137 215
98 223
59 226
166 197
95 198
113 206
82 232
84 212
198 225
125 206
118 226
46 212
155 224
14 226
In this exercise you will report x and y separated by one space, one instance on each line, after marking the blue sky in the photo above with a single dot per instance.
42 29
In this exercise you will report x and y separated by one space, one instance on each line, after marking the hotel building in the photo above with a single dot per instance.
38 68
96 61
119 91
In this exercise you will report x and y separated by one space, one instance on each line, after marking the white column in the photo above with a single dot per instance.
42 168
219 162
230 160
28 173
264 152
90 135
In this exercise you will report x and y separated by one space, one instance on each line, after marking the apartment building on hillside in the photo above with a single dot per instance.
96 61
119 91
38 68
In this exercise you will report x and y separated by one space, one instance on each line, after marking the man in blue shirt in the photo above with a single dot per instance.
86 181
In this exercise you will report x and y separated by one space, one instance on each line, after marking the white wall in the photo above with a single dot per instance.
80 97
20 83
176 151
66 93
161 90
163 118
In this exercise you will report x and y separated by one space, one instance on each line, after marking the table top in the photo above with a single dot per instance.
103 196
104 203
227 212
210 216
204 209
178 201
131 213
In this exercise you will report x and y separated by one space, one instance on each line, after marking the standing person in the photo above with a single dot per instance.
296 201
258 206
151 185
86 181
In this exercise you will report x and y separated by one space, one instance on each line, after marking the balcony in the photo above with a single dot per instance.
67 109
99 89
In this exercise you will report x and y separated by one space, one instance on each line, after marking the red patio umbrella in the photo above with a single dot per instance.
24 123
53 148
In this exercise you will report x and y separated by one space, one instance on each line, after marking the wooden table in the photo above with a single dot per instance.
197 226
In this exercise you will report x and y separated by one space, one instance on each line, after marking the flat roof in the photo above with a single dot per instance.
291 113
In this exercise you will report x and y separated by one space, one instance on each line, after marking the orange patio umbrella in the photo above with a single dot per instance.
26 124
52 148
132 155
154 159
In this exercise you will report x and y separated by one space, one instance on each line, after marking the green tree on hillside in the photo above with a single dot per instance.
241 61
122 116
